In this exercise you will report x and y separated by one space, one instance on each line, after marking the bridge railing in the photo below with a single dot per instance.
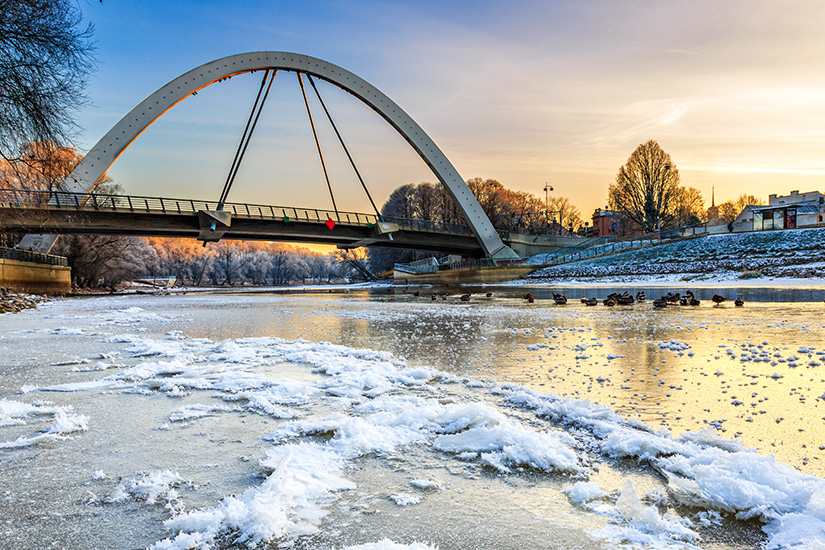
427 225
29 256
132 203
615 246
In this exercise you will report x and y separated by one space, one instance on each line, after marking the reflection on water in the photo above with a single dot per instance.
756 373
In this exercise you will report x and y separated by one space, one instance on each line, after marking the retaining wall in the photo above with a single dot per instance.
34 278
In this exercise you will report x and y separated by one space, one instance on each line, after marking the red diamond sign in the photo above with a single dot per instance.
330 223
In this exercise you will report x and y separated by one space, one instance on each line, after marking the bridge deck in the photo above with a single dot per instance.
23 211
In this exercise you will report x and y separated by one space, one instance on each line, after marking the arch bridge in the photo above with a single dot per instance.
213 220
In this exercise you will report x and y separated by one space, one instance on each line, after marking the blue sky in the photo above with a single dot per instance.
525 92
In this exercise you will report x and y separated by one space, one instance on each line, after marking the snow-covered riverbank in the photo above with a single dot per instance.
768 256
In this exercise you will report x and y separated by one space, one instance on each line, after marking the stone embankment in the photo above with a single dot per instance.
12 303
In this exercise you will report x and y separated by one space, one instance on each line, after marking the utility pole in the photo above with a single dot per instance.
659 206
547 189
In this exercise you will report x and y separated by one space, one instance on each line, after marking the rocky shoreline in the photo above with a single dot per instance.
11 302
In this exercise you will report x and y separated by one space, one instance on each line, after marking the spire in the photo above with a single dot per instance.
712 196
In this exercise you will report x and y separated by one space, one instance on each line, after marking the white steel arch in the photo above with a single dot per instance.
89 171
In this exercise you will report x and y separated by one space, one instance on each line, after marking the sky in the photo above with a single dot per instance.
539 93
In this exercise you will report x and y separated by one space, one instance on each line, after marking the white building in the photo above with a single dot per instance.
796 197
784 212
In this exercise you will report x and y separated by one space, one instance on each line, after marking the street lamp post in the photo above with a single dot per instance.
659 207
547 189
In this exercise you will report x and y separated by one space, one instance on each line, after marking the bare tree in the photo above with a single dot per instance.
103 259
401 202
353 264
491 195
646 188
568 215
407 201
689 207
39 166
730 210
427 202
45 59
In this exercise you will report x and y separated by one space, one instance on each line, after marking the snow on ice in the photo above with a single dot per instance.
383 407
61 421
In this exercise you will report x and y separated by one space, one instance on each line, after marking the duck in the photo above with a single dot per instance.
489 295
739 302
717 299
689 299
465 297
672 297
660 302
610 301
529 298
435 297
417 293
584 299
641 296
625 299
560 299
590 301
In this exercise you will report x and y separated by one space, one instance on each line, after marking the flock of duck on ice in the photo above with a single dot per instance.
615 298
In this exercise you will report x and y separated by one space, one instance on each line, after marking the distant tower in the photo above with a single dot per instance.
713 211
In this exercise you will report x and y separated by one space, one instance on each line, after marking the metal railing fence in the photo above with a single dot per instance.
615 246
24 198
29 256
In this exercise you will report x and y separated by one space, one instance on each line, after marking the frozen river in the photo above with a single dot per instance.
385 420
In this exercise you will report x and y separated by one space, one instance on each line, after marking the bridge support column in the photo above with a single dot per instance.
213 224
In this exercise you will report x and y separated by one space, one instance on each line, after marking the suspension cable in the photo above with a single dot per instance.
343 145
252 121
317 143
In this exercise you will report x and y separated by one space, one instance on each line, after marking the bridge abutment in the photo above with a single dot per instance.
35 278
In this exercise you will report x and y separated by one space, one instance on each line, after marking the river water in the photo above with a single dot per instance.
343 419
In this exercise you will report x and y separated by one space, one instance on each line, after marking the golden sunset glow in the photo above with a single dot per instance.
528 93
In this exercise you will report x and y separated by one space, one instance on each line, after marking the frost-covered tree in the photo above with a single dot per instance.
228 263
